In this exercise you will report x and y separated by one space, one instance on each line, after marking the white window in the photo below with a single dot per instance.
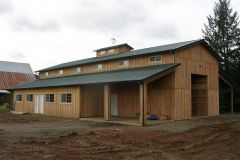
157 58
66 97
111 51
98 66
77 69
123 63
46 73
61 72
101 53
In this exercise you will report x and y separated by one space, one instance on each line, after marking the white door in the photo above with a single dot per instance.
38 103
114 105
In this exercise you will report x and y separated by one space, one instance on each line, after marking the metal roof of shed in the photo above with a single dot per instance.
124 75
163 48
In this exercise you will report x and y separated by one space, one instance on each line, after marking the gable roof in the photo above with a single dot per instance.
164 48
124 75
6 66
13 74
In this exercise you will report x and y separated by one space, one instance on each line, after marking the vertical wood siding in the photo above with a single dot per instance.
56 108
139 61
161 96
195 60
92 101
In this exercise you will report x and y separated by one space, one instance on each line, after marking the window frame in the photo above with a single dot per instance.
66 102
61 72
101 53
17 100
123 63
111 51
96 66
155 58
27 97
78 69
48 99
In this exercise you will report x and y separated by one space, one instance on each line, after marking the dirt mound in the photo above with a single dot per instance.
220 141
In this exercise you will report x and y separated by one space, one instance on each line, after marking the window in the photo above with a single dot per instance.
77 69
18 97
98 66
46 73
66 97
157 58
101 53
61 72
49 98
123 63
111 51
29 97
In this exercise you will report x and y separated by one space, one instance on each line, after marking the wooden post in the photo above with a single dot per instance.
106 102
143 103
231 100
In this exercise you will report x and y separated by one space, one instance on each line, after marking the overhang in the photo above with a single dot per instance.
124 75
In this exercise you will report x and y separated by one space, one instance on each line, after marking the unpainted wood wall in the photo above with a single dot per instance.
92 101
195 60
139 61
128 99
161 96
56 108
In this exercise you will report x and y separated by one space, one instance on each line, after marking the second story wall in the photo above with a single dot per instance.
132 62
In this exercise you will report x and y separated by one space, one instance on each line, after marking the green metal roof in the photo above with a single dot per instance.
115 46
124 75
164 48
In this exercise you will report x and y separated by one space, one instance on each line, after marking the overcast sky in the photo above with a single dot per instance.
48 32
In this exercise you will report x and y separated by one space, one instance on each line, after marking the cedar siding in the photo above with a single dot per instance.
182 85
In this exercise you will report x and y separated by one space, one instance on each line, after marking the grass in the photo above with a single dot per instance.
2 110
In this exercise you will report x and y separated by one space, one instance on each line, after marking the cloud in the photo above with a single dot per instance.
163 30
106 16
6 6
16 55
24 23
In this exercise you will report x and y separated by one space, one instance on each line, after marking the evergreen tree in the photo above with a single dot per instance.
222 32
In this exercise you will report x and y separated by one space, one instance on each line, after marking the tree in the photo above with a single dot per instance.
222 32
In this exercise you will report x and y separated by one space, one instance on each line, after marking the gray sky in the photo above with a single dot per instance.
48 32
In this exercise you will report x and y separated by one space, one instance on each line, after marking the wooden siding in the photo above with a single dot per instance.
161 96
138 61
10 80
116 51
195 60
128 99
56 108
92 101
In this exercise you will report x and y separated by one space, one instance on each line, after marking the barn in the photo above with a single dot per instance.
13 74
178 81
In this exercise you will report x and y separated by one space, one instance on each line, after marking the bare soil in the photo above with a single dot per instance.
217 138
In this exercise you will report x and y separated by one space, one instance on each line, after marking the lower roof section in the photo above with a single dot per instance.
124 75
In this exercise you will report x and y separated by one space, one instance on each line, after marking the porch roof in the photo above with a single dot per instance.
124 75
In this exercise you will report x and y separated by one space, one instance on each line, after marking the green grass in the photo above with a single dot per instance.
2 110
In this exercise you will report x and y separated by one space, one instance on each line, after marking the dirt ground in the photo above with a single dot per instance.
42 137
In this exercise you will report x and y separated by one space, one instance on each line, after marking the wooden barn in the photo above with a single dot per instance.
178 81
13 74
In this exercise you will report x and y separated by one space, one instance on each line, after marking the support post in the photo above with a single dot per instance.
143 103
106 102
231 100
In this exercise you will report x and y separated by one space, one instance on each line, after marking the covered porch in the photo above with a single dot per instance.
130 102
